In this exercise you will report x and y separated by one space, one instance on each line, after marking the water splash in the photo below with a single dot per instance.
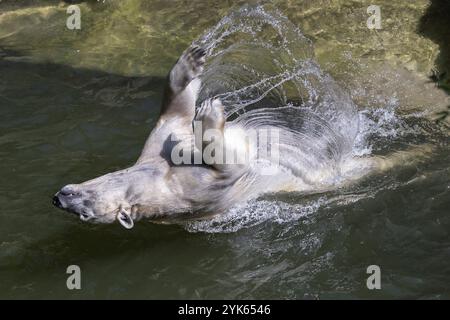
254 213
262 68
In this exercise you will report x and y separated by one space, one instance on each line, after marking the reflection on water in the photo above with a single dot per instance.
77 104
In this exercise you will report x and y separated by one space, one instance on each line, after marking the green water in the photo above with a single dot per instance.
78 104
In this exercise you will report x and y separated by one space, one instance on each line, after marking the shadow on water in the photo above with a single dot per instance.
435 25
47 103
62 125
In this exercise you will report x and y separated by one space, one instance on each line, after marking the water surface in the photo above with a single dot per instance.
78 104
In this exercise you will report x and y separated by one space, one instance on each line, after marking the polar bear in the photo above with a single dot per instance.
185 172
157 187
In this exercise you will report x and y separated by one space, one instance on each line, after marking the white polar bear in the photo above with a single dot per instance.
156 187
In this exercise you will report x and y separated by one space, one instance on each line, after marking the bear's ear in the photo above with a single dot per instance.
125 219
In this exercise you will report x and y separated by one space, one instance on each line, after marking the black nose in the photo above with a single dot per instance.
56 201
